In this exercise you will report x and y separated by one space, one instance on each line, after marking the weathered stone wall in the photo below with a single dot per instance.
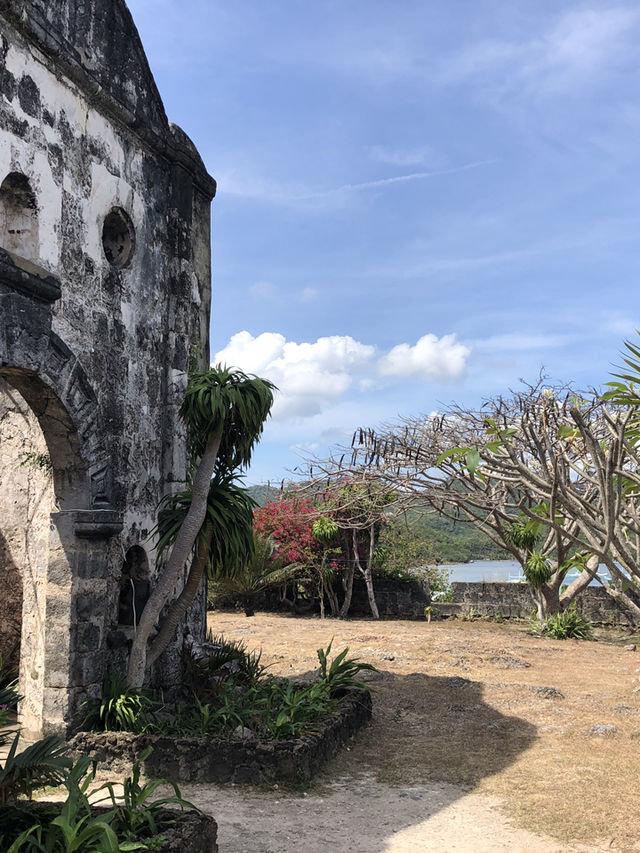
395 599
513 600
106 289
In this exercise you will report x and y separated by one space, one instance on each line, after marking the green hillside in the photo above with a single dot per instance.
449 541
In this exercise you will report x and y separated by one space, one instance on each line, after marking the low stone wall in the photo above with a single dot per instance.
514 600
247 761
395 599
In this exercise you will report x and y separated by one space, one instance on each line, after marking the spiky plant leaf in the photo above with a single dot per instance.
229 403
229 513
43 763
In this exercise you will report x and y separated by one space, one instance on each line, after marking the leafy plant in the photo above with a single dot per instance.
40 764
255 572
294 710
565 625
341 673
9 698
140 816
134 824
537 569
120 708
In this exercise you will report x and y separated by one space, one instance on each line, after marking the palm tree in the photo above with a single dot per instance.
225 411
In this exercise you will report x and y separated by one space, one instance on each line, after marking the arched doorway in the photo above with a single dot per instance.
41 473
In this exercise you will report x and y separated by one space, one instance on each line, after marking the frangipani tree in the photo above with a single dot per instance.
225 411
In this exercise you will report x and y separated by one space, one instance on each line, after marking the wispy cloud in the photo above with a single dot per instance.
404 157
286 195
577 49
309 294
263 290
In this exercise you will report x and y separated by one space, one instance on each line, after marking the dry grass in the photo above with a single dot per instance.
461 702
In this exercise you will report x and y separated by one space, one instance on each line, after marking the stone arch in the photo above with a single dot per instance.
64 606
19 216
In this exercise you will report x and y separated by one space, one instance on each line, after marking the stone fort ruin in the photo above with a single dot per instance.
104 288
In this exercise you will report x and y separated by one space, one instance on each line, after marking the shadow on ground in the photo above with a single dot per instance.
432 739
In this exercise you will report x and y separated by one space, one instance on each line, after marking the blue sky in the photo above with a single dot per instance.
418 202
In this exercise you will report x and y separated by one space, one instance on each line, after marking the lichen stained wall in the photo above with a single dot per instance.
81 118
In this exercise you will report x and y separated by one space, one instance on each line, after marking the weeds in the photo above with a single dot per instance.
568 624
229 688
120 709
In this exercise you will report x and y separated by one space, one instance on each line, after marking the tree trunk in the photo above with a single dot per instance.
347 583
547 601
181 604
581 582
368 577
333 599
182 547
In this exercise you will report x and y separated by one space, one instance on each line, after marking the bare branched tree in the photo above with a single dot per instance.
549 475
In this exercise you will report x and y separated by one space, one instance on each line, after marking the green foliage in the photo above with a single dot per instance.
524 533
138 815
229 404
229 520
325 530
341 673
225 660
401 547
626 393
40 764
120 709
230 689
133 824
537 570
263 569
449 541
9 698
565 625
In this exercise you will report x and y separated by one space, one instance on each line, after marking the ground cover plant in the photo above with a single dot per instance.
133 821
228 691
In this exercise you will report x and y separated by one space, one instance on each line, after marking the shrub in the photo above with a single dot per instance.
120 709
565 625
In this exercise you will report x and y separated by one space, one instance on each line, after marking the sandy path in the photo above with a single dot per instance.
359 815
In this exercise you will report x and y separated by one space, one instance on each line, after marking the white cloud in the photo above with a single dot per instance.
579 47
432 358
314 377
309 376
263 290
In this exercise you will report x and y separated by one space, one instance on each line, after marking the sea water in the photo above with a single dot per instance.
501 570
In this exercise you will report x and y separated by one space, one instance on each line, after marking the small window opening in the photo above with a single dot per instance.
18 217
118 238
134 586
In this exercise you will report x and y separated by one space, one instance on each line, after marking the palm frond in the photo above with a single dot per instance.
228 522
228 403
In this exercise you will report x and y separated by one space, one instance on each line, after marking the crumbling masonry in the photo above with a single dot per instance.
104 286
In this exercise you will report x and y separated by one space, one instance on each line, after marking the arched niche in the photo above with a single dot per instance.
134 586
18 217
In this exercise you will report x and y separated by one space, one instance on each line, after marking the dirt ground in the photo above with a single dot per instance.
483 738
